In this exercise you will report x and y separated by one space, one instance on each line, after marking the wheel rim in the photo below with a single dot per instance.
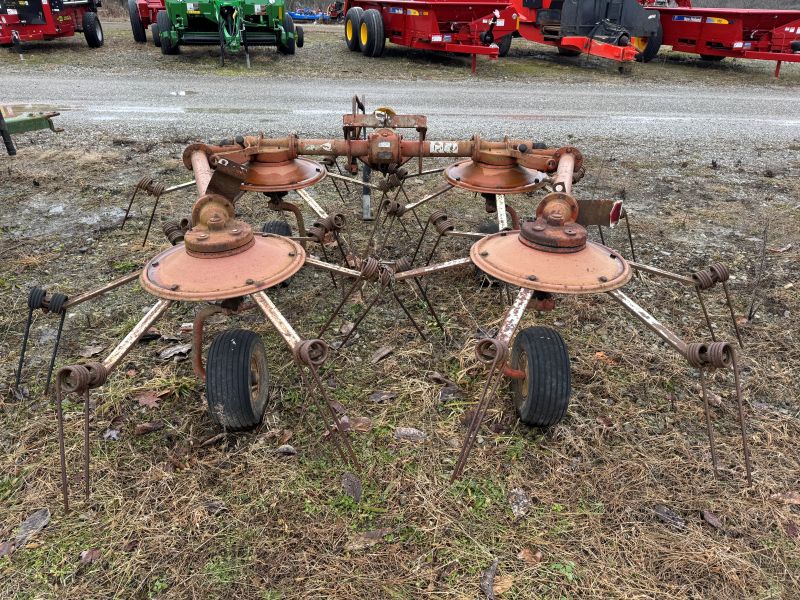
522 365
363 34
640 43
255 379
348 30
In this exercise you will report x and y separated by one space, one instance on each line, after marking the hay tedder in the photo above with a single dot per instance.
541 250
39 20
604 28
233 25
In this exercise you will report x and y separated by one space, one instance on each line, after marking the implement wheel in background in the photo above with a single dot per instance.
352 25
139 34
371 35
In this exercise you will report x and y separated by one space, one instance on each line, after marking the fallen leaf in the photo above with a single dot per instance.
148 399
130 545
90 556
410 434
381 396
145 428
151 334
131 372
90 351
351 485
669 516
6 548
337 407
712 519
604 358
364 540
187 327
212 440
520 503
791 530
526 555
787 497
31 526
780 250
346 328
605 421
450 392
286 450
381 353
111 435
437 377
502 584
487 580
285 436
361 424
214 507
178 352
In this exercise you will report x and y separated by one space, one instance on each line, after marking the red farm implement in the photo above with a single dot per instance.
143 16
717 33
40 20
602 28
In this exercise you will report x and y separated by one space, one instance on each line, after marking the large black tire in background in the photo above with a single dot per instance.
92 30
484 280
165 24
504 44
156 33
542 398
649 47
371 35
300 36
237 379
279 228
288 26
352 25
139 33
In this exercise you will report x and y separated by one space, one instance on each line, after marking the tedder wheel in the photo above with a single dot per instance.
156 35
288 27
352 25
92 30
300 38
504 45
139 34
542 397
370 33
711 57
648 47
237 379
279 228
165 26
568 51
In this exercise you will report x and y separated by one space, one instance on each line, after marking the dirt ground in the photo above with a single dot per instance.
617 501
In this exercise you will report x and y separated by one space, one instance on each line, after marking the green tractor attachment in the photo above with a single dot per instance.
232 24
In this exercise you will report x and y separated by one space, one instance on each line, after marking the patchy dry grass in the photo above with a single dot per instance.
174 518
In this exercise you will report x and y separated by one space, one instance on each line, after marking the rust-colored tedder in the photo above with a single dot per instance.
218 260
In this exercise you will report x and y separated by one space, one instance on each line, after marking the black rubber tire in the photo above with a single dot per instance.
504 44
711 58
300 36
352 25
653 46
156 33
485 280
542 398
165 24
92 30
288 26
279 228
236 359
139 33
568 52
371 28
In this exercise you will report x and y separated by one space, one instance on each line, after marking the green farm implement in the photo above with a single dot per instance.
234 25
23 123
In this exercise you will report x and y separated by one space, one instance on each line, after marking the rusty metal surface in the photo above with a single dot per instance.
514 315
177 275
283 176
312 203
595 268
650 321
662 273
431 269
605 213
81 298
492 179
332 268
275 317
122 349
